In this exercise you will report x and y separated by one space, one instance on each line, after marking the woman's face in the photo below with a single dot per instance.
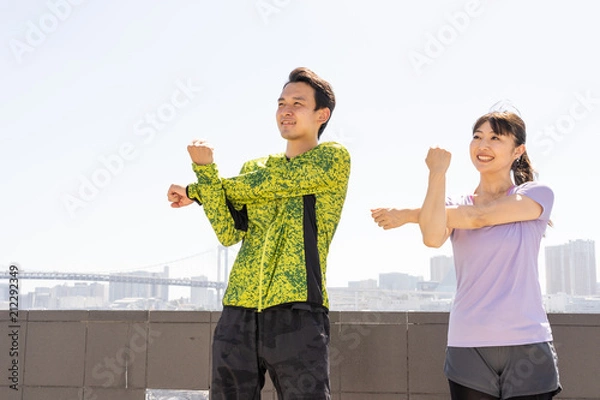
491 152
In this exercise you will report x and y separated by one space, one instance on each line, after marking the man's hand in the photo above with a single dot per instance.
201 152
389 218
178 197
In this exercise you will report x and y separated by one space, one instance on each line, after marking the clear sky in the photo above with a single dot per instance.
98 101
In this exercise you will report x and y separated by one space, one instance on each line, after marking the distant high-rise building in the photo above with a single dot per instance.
440 267
571 268
40 298
81 289
80 295
442 271
122 290
398 281
202 296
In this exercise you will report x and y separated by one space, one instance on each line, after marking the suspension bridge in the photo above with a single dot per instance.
141 275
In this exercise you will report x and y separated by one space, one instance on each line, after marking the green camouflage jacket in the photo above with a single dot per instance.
285 212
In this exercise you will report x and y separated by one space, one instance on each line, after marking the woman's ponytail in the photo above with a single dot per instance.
522 169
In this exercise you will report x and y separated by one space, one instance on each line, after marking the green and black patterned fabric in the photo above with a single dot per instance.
285 212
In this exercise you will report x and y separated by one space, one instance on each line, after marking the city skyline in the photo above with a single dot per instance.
560 258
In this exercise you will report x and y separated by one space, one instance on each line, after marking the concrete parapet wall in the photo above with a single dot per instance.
117 355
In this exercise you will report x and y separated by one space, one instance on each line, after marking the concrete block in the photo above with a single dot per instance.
578 361
178 356
55 354
370 358
116 355
426 354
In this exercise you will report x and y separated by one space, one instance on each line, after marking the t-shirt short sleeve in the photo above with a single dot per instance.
539 193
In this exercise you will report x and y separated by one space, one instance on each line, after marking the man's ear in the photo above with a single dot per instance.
323 114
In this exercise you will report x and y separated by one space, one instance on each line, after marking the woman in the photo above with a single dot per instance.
499 338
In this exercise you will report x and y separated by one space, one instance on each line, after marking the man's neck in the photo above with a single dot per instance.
295 148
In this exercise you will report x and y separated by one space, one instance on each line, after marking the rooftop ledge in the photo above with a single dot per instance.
137 355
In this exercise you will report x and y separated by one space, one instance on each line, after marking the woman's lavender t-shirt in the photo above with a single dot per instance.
498 299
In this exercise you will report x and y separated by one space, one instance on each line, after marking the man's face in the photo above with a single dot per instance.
296 115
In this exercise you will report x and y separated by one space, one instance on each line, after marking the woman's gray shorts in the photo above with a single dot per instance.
505 371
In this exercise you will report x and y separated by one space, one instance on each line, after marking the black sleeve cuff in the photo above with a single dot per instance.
187 193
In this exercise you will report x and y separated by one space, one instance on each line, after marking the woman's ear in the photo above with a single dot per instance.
519 151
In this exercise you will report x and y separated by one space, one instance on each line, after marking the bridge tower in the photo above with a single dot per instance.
222 269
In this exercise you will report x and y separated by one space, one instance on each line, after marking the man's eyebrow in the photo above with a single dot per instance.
293 98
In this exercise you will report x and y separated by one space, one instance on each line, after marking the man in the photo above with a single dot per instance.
285 209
